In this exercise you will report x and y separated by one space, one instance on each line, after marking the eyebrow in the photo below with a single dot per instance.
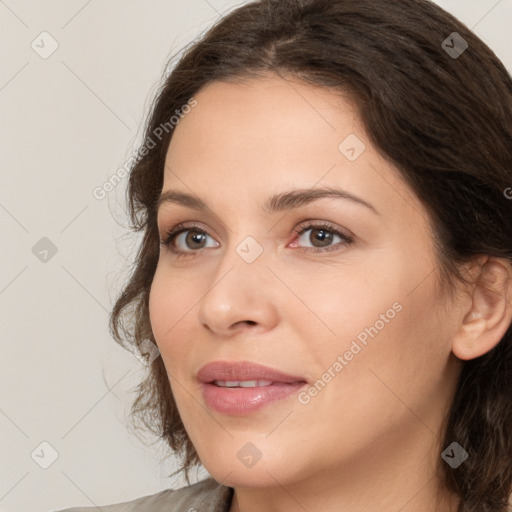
283 201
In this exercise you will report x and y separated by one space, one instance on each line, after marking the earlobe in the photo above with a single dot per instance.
490 315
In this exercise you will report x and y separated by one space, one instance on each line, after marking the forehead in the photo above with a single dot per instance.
260 136
272 111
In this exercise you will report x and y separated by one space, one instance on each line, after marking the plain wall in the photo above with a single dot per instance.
68 122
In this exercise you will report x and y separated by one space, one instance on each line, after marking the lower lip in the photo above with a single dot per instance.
242 401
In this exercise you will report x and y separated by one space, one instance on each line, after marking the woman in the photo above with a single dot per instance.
326 266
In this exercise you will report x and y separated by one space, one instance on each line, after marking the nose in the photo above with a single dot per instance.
241 298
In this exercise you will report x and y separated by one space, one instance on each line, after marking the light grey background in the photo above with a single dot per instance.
68 122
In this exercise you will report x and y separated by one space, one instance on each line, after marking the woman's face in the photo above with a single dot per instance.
358 322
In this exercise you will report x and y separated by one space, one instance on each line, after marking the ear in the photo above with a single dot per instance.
490 314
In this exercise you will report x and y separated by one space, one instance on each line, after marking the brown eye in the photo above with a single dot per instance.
186 240
193 239
321 238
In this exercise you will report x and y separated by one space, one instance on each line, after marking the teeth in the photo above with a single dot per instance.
242 383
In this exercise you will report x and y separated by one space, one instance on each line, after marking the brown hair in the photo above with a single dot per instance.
444 121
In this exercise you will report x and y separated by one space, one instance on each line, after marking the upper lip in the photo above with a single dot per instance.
243 370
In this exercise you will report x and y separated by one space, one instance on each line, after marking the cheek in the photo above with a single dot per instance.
379 381
378 317
338 306
170 301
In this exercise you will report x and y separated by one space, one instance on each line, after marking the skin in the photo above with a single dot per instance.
370 439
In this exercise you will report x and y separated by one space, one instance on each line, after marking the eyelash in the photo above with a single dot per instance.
171 235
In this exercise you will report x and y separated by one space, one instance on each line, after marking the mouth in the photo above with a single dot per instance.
240 388
246 383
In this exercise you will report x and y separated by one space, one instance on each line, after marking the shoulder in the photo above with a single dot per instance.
204 496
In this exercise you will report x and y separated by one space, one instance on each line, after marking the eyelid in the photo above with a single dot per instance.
309 224
179 228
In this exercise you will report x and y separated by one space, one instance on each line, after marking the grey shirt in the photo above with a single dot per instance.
204 496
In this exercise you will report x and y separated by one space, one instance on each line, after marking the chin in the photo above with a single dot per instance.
233 475
240 463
